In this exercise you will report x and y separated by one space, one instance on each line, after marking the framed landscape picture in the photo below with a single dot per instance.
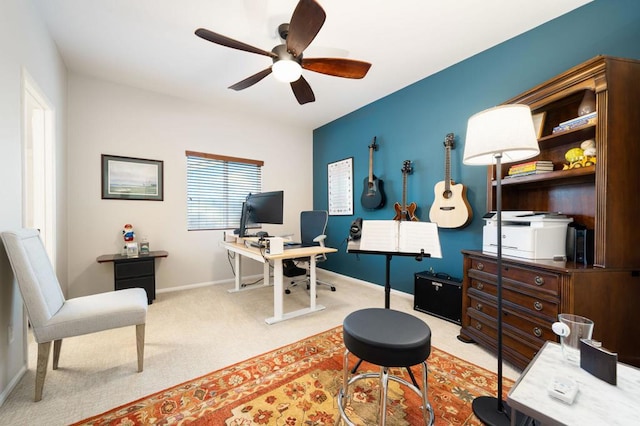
126 178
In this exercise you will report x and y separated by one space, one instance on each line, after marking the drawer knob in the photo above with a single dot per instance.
479 286
478 326
479 306
537 306
537 331
480 266
539 280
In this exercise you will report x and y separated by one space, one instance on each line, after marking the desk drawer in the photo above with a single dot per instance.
132 269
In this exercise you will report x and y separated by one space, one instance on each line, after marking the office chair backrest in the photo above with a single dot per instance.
37 281
312 224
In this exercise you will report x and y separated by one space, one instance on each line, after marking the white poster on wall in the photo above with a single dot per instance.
340 177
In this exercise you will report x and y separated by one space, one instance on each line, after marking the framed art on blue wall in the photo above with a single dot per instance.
127 178
340 180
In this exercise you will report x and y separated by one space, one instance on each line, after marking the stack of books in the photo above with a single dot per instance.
583 120
531 168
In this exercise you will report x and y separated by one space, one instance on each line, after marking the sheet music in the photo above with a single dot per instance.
401 236
379 235
415 237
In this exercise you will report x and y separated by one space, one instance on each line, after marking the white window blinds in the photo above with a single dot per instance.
216 187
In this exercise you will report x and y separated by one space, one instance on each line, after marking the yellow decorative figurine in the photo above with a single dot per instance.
581 157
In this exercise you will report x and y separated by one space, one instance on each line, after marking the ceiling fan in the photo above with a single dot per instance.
288 62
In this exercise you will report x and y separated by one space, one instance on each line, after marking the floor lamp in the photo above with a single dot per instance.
504 134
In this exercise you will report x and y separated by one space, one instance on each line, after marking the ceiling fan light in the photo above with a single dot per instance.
286 70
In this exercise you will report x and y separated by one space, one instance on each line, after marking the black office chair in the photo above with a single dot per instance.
313 225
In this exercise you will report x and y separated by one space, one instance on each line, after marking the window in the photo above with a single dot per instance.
216 187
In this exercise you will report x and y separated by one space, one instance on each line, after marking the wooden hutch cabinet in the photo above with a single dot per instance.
603 197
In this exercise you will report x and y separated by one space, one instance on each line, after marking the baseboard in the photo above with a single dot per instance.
323 274
12 384
379 287
203 284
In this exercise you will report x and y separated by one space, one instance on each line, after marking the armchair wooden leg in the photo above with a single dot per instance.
41 369
140 345
56 352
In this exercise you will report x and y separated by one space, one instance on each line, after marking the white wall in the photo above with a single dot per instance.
107 118
24 45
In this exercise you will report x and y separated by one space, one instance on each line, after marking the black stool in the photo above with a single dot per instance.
386 338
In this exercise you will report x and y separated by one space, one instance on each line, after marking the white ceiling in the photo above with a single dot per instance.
151 44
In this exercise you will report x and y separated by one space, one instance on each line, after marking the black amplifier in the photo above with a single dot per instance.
439 295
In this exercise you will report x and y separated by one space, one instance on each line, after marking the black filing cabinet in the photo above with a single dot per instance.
439 295
135 271
131 273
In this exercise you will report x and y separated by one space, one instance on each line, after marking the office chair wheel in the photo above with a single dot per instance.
333 288
287 291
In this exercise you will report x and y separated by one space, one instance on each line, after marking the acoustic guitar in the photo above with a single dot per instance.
404 211
372 197
450 208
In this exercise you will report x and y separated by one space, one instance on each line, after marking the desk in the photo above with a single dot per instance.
597 402
134 271
278 278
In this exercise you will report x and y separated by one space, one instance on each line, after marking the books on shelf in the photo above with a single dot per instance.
401 236
531 166
583 120
532 172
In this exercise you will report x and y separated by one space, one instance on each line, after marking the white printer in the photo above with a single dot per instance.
527 234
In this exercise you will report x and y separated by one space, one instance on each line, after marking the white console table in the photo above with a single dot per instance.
597 402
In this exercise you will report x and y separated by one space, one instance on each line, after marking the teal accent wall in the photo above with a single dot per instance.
411 124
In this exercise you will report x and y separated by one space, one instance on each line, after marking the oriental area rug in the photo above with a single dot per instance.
297 385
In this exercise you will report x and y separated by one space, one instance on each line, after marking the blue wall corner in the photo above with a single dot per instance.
411 124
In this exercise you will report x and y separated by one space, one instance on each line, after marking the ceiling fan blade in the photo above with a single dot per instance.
250 81
229 42
302 91
306 21
339 67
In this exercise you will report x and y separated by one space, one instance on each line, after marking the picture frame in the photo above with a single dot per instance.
129 178
538 123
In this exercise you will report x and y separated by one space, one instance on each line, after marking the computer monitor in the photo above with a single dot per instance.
263 207
266 207
245 221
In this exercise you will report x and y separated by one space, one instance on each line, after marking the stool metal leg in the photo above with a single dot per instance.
427 410
383 376
384 386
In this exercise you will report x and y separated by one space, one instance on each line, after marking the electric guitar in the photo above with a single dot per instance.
450 208
404 211
372 195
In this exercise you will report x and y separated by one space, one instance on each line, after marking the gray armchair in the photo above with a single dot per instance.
54 318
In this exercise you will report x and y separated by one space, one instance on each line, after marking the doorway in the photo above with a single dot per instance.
38 164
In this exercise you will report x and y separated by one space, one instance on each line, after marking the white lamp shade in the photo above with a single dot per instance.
506 131
286 70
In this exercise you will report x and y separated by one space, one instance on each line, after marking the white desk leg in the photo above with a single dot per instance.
312 283
238 266
278 291
266 271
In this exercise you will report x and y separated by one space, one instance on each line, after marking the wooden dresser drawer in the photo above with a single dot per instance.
536 280
517 350
537 330
537 303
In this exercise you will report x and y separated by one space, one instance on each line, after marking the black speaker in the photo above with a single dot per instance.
438 294
583 248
